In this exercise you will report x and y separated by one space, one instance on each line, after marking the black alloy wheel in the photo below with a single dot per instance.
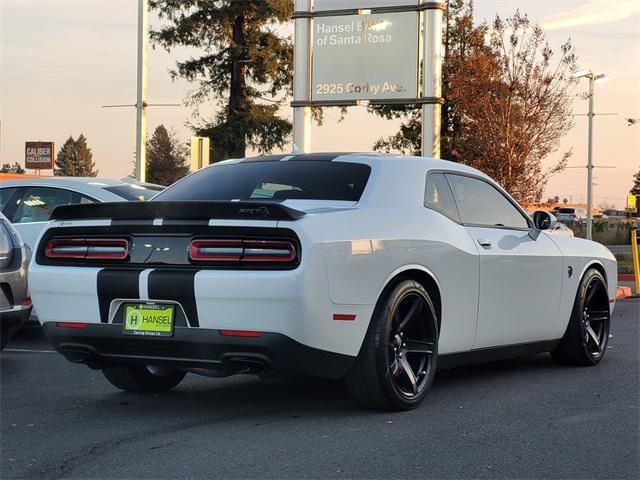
587 336
397 361
410 347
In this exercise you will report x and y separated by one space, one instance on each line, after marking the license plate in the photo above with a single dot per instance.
151 319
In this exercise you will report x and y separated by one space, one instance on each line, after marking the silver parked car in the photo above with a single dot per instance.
28 202
15 305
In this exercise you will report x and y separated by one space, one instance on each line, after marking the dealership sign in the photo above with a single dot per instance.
365 57
323 5
368 52
39 155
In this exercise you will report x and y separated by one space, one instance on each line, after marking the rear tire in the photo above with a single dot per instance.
140 379
587 336
397 361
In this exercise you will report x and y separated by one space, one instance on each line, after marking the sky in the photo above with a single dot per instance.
61 60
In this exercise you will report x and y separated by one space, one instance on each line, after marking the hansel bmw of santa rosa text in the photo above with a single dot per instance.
372 268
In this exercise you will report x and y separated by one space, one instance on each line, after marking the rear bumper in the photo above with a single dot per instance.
101 345
12 319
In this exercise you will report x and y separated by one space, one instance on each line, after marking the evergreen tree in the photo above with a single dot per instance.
166 157
635 190
244 61
75 159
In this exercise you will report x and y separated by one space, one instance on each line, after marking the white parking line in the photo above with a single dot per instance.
24 350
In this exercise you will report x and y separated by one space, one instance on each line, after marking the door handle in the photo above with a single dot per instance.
484 242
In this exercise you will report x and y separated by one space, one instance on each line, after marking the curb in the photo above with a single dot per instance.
623 292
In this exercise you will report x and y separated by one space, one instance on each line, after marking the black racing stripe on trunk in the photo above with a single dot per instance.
171 222
177 286
122 222
116 283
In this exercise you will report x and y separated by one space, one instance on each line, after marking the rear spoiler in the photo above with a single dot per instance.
178 210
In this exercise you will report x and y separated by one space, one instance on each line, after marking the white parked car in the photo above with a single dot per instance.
28 202
570 214
560 229
376 269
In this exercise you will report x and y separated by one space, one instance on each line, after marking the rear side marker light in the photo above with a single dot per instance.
240 333
75 325
239 251
342 317
87 249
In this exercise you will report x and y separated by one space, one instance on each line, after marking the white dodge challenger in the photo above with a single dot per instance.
377 269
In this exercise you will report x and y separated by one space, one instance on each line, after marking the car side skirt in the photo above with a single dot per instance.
483 355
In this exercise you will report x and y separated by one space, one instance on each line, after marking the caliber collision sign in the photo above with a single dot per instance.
365 57
39 155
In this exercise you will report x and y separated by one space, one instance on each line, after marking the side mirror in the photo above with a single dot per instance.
542 221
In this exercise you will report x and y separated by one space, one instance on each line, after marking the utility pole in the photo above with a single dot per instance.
590 162
141 96
141 100
593 78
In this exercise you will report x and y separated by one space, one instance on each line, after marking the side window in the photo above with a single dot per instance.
38 203
438 196
79 198
7 195
482 204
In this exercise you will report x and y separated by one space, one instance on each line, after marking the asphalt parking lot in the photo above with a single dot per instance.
526 418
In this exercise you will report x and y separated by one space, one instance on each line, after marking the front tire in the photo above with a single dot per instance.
143 379
587 336
397 361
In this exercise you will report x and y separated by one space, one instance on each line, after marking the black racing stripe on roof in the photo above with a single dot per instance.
318 157
267 158
309 157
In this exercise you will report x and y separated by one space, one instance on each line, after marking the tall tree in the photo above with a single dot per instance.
166 157
244 61
635 190
507 101
461 38
515 100
75 159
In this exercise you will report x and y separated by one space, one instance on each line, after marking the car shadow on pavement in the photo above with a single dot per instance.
207 400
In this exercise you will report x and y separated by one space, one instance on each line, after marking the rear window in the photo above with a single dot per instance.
307 180
133 192
567 210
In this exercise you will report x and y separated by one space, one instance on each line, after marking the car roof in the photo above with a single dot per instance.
68 182
369 158
90 186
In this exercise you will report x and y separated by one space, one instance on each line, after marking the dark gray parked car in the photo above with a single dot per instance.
15 305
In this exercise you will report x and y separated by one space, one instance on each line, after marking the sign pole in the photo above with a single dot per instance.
432 81
302 79
141 101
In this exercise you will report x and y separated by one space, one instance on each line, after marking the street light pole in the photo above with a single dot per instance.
141 100
592 82
593 78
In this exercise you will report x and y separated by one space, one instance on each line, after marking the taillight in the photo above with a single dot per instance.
243 251
268 251
216 250
87 248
